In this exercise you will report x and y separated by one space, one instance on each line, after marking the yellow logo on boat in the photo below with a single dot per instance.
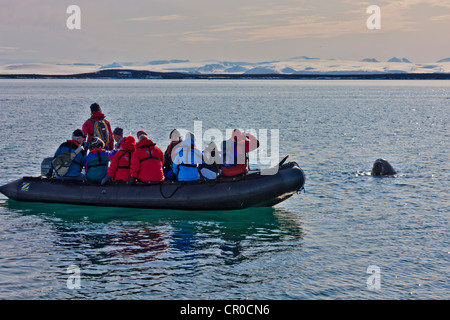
25 186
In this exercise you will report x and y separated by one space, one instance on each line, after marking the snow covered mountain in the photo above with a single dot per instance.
395 59
296 65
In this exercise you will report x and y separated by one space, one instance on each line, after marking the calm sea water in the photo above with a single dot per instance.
315 245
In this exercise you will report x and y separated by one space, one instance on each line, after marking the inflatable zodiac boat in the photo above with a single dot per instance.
227 193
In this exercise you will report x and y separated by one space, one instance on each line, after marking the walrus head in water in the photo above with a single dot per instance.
382 168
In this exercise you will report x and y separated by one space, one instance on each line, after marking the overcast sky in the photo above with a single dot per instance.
234 30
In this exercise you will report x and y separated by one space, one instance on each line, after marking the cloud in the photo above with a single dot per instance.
312 19
310 27
237 28
293 27
171 17
440 18
278 11
194 37
8 49
234 27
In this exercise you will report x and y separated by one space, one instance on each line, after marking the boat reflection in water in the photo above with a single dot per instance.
143 247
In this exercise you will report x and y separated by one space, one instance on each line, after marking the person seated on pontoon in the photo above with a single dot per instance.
186 160
120 166
210 167
76 165
97 161
235 153
175 138
147 161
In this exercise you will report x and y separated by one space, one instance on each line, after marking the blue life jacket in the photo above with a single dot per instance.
186 171
97 165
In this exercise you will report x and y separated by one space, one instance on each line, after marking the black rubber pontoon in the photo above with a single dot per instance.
252 190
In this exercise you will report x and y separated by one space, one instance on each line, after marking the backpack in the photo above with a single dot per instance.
62 163
101 130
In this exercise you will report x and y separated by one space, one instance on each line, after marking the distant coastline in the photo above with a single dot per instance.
142 74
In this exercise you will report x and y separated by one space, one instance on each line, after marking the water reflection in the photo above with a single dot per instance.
148 250
117 227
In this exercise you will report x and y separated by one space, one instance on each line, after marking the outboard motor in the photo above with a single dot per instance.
45 166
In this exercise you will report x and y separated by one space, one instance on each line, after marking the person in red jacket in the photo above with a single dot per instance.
175 138
89 126
147 161
120 167
235 153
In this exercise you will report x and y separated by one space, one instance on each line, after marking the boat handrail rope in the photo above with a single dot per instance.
172 194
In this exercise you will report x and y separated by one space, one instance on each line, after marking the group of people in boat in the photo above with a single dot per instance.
107 155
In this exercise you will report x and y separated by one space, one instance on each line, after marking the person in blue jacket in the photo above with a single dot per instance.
76 167
186 160
97 161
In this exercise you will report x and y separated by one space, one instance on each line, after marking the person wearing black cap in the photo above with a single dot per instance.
97 161
98 126
118 137
70 146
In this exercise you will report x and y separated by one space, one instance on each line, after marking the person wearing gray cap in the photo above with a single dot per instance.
118 138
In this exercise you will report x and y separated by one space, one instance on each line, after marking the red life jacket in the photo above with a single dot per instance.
120 167
242 148
147 162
